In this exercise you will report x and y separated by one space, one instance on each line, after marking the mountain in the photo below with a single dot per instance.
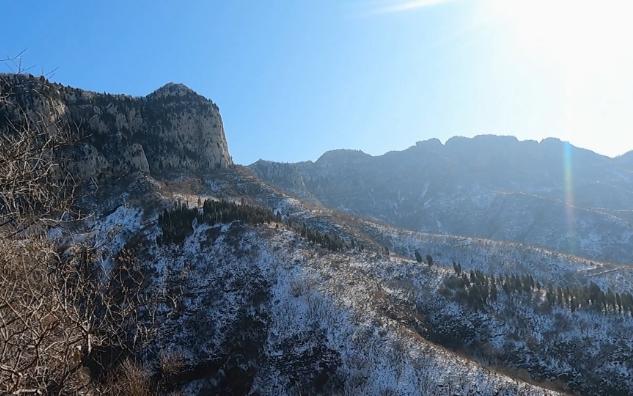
549 194
170 130
626 160
200 278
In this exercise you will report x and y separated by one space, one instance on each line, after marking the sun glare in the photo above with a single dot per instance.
574 33
587 45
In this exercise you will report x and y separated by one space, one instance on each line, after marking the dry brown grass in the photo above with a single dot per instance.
172 364
131 379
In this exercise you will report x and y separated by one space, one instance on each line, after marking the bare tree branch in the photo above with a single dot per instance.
60 314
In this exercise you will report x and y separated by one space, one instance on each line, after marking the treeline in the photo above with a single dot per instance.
327 240
177 222
214 212
477 290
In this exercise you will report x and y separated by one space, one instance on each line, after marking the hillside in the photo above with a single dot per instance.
192 275
355 319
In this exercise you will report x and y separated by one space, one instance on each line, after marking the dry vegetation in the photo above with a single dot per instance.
65 326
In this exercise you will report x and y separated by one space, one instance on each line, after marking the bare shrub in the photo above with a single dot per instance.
130 379
65 324
34 186
58 317
172 364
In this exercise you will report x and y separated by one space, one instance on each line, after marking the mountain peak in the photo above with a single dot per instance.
342 155
626 159
483 140
628 155
125 135
429 142
172 89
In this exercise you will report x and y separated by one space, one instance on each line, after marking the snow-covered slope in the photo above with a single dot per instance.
499 257
261 309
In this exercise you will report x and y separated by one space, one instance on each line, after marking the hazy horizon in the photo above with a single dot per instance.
371 75
444 141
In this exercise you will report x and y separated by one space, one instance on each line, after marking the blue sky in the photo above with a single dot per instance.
296 78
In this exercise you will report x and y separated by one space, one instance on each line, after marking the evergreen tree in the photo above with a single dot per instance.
550 298
493 291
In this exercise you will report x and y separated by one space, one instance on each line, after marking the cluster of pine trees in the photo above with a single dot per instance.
591 297
177 222
477 289
328 241
214 212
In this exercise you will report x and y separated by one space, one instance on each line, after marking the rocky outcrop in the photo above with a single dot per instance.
171 130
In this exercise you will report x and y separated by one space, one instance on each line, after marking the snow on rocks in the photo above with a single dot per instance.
113 231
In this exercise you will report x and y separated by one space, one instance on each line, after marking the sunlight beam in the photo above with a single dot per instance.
410 5
569 194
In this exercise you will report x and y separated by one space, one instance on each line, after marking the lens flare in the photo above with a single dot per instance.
569 194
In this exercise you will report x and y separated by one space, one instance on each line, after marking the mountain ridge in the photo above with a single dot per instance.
457 140
547 193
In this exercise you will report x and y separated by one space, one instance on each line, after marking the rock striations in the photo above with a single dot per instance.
169 131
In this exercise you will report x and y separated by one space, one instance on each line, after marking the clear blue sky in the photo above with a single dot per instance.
296 78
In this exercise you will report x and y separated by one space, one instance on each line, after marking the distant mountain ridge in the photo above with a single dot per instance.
488 186
626 160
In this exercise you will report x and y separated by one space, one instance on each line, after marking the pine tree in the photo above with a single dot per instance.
493 291
550 298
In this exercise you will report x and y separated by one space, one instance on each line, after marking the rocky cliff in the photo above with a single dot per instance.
171 130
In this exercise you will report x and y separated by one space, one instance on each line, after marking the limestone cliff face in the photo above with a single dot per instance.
171 130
